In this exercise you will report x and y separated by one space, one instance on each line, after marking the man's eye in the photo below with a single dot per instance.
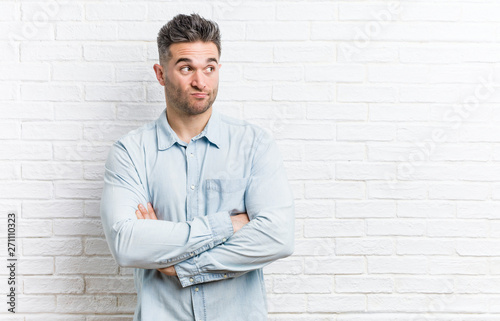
185 69
210 68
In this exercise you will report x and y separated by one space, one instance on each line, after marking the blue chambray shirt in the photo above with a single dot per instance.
231 167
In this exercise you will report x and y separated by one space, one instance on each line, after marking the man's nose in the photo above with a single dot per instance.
198 80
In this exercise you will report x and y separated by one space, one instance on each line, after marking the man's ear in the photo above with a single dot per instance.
160 74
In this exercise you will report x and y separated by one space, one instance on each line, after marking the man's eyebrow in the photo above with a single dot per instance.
189 60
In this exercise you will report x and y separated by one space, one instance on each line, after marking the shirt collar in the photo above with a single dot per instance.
167 137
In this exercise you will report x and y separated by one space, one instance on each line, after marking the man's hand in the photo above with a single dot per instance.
149 214
239 221
144 214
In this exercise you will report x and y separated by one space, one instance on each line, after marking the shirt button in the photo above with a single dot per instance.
192 186
196 289
225 275
224 240
191 155
192 253
191 279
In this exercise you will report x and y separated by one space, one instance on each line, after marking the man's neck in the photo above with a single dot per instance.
187 126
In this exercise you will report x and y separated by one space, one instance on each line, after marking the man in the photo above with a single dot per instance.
196 201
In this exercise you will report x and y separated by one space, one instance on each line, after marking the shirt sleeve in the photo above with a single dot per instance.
150 244
267 237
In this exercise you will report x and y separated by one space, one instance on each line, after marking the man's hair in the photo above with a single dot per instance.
184 28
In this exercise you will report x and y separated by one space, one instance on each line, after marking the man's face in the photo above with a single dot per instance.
191 77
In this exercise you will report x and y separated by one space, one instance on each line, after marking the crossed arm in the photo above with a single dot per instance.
206 248
148 213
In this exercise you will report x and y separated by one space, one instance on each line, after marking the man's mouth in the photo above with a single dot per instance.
199 95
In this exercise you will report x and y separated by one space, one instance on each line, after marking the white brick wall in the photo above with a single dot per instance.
386 113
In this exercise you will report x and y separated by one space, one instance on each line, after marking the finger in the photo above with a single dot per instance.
144 211
139 215
151 211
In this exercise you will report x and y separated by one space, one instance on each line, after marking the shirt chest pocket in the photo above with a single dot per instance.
225 195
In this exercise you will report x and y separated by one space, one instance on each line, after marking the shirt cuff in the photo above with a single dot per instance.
189 274
221 226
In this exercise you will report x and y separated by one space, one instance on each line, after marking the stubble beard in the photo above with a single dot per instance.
179 100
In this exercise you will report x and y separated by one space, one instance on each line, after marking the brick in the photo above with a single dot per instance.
114 53
390 227
477 285
397 265
338 112
52 92
52 246
81 190
10 171
365 209
135 73
51 11
10 130
70 227
34 228
109 285
336 190
364 171
8 12
462 191
26 190
36 266
86 31
51 131
366 93
333 228
35 303
396 190
163 11
84 72
314 209
22 31
363 284
364 246
399 73
303 284
399 112
244 52
273 73
366 132
146 31
397 303
31 110
290 265
86 303
45 285
335 151
335 265
85 265
126 93
369 11
478 209
115 11
52 209
314 246
423 246
96 246
306 11
424 285
461 265
336 303
286 303
84 111
24 71
482 248
427 12
340 73
277 31
51 51
457 228
233 10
